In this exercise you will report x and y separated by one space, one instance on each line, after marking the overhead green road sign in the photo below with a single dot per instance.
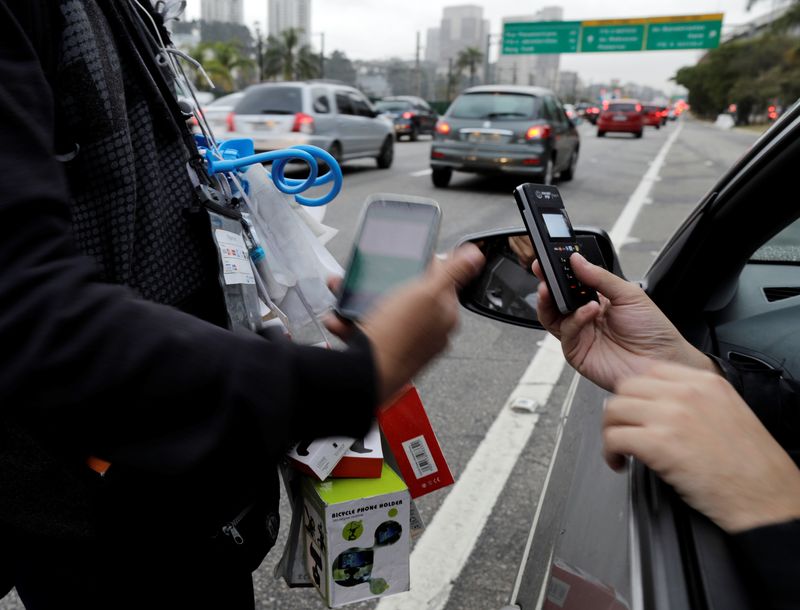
613 35
677 35
541 37
612 38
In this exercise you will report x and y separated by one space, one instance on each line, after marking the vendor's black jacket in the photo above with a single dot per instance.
770 556
112 326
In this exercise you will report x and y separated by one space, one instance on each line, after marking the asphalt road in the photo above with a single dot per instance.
465 390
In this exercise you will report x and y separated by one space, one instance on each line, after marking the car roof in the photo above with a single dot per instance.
624 100
509 89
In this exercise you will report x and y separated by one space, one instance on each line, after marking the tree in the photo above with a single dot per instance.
226 64
339 67
285 57
469 59
752 73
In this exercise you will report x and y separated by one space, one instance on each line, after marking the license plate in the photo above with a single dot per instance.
475 136
620 117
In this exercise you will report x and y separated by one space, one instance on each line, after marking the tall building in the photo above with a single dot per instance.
539 70
286 14
227 11
461 27
432 51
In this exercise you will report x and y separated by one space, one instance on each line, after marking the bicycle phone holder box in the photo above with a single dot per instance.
413 444
364 459
320 456
357 537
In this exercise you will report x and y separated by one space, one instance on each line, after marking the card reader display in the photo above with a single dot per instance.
554 241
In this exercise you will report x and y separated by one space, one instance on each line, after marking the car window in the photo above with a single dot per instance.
392 106
227 100
783 248
496 106
343 103
622 108
361 106
321 103
557 110
271 100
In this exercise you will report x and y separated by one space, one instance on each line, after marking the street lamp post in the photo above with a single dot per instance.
487 66
260 51
321 53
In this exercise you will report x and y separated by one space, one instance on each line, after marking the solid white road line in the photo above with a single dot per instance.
622 228
422 172
444 548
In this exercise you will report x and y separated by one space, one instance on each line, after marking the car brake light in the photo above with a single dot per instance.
408 115
638 107
442 128
229 122
303 123
538 132
435 154
605 105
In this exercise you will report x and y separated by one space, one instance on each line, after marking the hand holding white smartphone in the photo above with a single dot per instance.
394 243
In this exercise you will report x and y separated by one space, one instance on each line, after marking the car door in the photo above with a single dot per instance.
347 124
372 129
427 117
563 142
729 279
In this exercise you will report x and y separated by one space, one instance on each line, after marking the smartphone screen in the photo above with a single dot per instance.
394 245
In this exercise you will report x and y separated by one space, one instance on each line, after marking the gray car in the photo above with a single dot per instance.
505 129
334 117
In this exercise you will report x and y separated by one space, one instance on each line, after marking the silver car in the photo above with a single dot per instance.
334 117
505 129
217 113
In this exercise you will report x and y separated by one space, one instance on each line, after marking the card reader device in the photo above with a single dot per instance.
554 241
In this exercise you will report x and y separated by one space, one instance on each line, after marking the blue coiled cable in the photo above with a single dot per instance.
239 154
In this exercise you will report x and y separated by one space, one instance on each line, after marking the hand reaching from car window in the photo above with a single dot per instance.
698 435
411 325
618 337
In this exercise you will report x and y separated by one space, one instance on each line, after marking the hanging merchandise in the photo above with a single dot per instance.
290 260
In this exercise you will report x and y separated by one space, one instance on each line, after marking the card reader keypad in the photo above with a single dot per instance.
573 284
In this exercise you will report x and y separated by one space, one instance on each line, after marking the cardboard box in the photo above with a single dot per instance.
364 459
319 457
357 537
413 444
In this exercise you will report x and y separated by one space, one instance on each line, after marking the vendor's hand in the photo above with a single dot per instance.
410 326
521 246
693 429
618 337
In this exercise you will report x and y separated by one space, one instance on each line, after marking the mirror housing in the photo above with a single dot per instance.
506 290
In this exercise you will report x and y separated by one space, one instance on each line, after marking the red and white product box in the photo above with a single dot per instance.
570 588
319 457
364 459
409 435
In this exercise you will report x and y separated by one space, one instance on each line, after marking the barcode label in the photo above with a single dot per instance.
419 456
557 591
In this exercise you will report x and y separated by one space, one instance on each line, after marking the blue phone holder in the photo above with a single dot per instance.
239 154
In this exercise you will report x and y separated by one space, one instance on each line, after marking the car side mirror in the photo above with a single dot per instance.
506 289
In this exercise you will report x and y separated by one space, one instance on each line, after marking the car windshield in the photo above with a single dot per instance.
511 106
622 107
272 100
392 106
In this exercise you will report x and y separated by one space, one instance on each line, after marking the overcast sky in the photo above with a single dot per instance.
378 29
